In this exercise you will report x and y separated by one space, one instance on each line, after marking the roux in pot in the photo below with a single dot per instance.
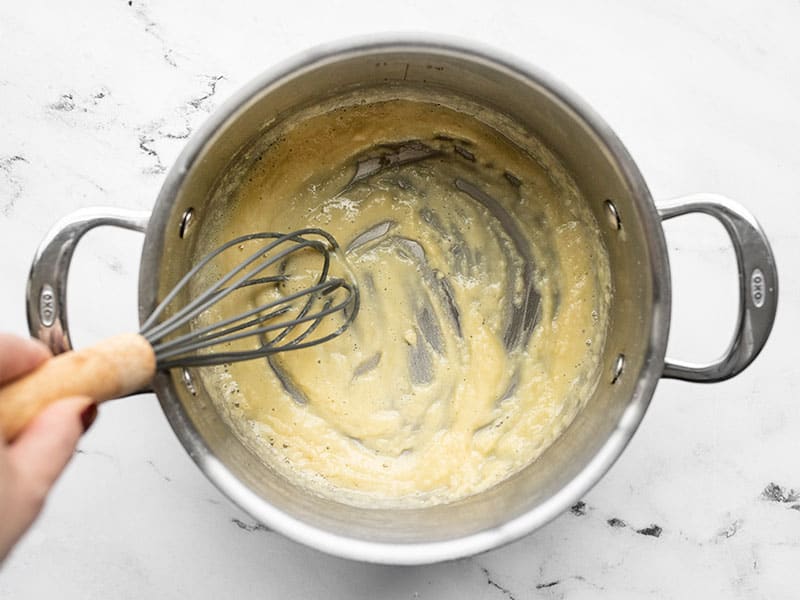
484 301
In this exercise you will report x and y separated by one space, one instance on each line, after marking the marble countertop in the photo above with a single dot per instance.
97 99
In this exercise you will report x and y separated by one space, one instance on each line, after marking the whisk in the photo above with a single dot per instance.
175 336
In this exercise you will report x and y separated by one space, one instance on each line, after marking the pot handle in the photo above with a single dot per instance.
46 295
758 286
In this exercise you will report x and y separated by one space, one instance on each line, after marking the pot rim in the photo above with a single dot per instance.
435 551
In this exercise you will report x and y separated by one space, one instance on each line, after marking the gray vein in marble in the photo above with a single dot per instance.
90 181
153 30
731 530
566 593
578 509
100 454
144 146
69 102
183 135
585 581
254 527
615 522
169 57
163 129
490 580
652 531
66 103
157 470
8 167
96 453
777 493
211 82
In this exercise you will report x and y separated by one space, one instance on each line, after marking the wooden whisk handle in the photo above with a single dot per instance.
112 368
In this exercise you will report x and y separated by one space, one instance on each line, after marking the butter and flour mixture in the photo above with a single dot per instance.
484 300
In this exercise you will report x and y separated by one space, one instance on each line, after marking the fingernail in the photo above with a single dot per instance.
88 416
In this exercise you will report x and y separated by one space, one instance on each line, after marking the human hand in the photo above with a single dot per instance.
31 464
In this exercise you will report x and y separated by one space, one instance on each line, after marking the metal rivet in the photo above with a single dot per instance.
613 215
619 366
186 222
187 380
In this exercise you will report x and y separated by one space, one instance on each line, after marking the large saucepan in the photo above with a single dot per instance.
633 360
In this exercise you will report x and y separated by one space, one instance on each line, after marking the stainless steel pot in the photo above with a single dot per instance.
634 353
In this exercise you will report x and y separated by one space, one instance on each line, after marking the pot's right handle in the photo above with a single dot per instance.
758 286
47 283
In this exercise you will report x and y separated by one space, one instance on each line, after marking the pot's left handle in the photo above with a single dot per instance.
47 283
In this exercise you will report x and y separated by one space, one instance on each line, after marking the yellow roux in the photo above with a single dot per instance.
423 400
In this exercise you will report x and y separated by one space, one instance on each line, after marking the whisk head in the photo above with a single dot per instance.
287 309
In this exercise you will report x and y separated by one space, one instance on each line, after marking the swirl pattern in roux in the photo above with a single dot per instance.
485 292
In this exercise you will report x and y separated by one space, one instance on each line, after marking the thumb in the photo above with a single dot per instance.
43 449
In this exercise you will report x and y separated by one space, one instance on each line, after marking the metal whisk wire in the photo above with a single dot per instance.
263 320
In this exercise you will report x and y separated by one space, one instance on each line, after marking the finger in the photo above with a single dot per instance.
43 449
20 355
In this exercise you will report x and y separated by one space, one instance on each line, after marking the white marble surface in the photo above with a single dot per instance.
95 100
